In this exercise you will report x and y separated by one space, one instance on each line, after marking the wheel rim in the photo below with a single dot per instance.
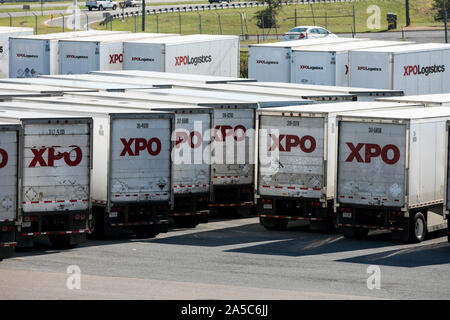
419 229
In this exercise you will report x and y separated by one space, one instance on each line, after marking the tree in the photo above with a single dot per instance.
439 6
266 18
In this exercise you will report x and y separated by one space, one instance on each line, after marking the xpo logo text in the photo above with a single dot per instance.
46 157
390 154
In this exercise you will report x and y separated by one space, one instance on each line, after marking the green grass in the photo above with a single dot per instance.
31 22
421 15
33 9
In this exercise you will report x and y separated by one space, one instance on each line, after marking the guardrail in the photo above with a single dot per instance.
204 7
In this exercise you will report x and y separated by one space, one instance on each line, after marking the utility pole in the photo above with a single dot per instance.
408 20
74 15
143 15
445 21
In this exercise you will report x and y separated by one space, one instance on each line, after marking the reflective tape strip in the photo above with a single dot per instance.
243 204
54 201
8 244
292 188
141 223
7 220
189 214
369 227
48 233
289 217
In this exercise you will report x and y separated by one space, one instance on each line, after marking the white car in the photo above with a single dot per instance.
307 32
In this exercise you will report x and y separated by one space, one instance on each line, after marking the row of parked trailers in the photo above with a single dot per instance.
84 51
85 160
398 65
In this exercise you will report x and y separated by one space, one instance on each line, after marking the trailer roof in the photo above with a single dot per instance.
249 97
402 114
186 39
23 85
117 37
69 35
326 108
352 45
185 101
37 107
305 42
409 48
15 29
144 96
169 75
314 87
32 114
440 98
63 83
126 104
244 88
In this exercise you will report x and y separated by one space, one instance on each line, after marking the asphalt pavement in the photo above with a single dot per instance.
234 259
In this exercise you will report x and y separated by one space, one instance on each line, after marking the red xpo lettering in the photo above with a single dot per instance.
373 151
53 156
113 58
292 141
183 137
153 146
4 156
227 131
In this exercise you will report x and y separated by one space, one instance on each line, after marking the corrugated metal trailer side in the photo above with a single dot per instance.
386 177
56 171
10 135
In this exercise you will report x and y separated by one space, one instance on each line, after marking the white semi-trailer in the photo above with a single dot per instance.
391 171
5 34
414 69
131 171
34 55
55 164
296 162
100 52
10 134
201 54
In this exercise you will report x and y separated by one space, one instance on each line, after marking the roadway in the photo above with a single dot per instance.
233 259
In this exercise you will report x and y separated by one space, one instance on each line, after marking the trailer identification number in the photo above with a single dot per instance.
293 123
375 130
56 132
142 125
182 120
228 115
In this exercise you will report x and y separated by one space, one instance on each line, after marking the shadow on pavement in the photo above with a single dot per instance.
409 257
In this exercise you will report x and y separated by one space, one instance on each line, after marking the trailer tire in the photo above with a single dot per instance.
417 228
114 7
100 8
97 224
274 224
90 8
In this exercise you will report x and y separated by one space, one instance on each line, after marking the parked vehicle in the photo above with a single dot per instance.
10 134
55 162
386 178
415 69
194 54
272 61
5 34
131 171
429 100
101 5
82 55
361 94
35 55
307 32
296 162
328 65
